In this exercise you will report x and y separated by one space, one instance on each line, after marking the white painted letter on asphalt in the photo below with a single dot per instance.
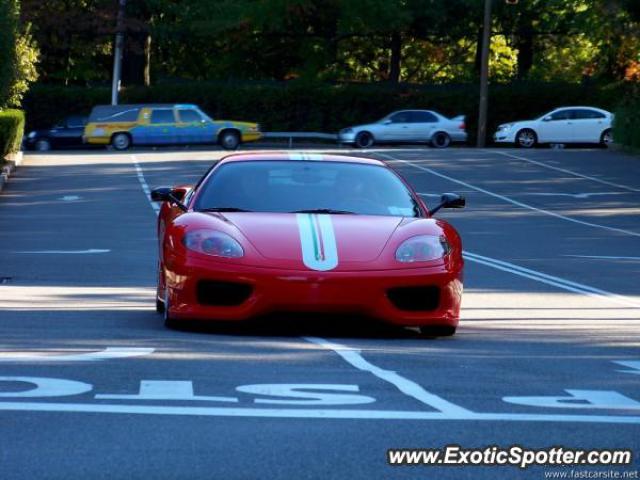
296 390
106 354
46 387
165 390
580 399
634 365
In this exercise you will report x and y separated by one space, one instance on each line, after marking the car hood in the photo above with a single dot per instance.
314 241
352 238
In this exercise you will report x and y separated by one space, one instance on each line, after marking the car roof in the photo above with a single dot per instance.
298 156
588 107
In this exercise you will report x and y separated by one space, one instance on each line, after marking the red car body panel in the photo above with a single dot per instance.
274 270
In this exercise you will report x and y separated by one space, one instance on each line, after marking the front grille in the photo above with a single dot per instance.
222 294
415 299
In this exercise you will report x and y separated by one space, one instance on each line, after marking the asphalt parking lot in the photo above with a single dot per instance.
94 386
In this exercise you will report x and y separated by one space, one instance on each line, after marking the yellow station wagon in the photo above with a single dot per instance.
163 124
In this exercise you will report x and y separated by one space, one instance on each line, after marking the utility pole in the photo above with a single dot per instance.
117 52
484 75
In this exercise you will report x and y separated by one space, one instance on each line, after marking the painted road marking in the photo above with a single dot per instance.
511 200
604 399
406 386
46 387
165 390
311 413
570 172
603 257
551 280
573 195
144 185
300 392
634 365
55 387
91 251
70 198
109 353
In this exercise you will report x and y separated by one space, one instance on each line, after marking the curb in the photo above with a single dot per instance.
11 162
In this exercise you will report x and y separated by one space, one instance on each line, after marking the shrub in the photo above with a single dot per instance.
11 130
626 124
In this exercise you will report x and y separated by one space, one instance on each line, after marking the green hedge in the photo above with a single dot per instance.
11 130
322 107
626 124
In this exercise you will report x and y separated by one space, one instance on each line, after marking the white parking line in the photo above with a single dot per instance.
144 185
511 200
551 280
406 386
108 353
570 172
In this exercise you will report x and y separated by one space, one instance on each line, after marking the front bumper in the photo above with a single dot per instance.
346 137
362 293
503 136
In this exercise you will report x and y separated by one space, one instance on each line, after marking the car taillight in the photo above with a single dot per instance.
462 126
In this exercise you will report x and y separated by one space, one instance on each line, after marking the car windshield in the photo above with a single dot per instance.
306 186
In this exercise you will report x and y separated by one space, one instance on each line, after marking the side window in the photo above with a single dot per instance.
561 115
423 117
587 114
400 117
163 115
189 116
123 116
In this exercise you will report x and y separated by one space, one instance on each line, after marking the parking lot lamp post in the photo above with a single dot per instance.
484 75
117 52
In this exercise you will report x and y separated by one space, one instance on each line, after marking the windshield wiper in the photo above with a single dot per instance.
223 209
325 210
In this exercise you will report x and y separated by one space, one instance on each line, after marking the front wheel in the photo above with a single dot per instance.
229 140
438 330
606 138
526 138
43 145
364 140
441 140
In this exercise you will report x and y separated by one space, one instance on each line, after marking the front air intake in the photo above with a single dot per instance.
222 294
415 299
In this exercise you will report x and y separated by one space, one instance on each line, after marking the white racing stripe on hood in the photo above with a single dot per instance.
318 241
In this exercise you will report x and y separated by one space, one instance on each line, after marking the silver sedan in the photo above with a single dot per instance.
407 126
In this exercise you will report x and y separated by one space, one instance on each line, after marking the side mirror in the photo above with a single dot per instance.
548 118
161 194
450 200
387 122
453 200
168 194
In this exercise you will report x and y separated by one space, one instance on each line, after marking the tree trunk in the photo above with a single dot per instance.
525 51
396 58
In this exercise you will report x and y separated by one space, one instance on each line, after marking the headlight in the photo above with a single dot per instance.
422 249
346 130
254 129
505 126
31 135
211 242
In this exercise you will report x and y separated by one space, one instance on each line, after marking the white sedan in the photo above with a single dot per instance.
562 125
407 126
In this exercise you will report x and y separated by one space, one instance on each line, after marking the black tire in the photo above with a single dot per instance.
229 139
441 140
159 306
606 138
526 138
364 140
42 145
121 141
438 331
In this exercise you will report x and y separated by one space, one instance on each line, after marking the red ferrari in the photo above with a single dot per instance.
280 232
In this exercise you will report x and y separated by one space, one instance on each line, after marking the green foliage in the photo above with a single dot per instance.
626 124
11 130
8 37
18 55
322 107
